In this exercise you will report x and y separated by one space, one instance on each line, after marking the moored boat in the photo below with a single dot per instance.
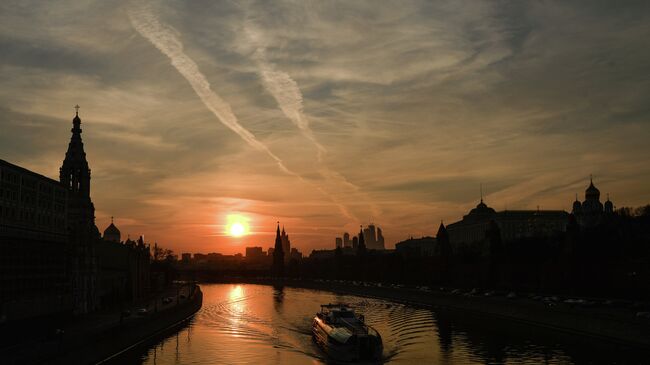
344 335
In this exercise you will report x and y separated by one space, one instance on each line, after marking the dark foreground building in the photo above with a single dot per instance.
469 234
52 257
34 245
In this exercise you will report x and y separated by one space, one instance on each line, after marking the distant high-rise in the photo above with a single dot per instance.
373 237
380 240
339 242
370 235
361 249
346 240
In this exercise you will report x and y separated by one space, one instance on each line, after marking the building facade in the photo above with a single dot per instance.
469 233
35 250
53 258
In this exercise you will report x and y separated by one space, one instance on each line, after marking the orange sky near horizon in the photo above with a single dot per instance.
326 115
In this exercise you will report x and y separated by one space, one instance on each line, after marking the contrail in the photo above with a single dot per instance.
284 89
289 98
167 41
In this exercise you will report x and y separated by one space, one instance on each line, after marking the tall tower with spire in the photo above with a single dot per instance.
74 175
278 254
286 245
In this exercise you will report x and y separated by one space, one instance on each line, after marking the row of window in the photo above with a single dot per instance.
30 197
7 176
14 214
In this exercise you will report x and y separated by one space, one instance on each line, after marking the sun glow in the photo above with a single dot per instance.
237 225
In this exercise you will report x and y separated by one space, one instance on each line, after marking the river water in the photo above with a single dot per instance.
258 324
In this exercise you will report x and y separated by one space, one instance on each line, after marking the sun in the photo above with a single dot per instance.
237 230
237 225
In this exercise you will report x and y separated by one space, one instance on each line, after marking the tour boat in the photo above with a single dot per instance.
344 335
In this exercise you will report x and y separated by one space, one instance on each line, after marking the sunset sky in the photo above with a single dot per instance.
325 115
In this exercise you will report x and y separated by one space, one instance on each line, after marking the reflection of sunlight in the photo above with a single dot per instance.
236 293
237 307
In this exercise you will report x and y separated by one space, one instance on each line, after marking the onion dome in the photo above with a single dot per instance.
111 229
592 192
576 205
609 206
111 233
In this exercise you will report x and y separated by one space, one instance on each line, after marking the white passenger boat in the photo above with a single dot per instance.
344 335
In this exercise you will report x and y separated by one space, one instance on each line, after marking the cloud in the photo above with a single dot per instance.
283 88
167 41
416 103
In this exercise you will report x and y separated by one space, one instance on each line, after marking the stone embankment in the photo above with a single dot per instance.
99 338
612 321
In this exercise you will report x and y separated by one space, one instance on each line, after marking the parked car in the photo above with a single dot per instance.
143 311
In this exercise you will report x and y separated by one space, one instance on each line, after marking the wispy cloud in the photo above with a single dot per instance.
166 39
287 93
410 105
283 88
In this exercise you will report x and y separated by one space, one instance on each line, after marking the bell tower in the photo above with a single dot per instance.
74 173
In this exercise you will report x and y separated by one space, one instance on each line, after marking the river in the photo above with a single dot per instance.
259 324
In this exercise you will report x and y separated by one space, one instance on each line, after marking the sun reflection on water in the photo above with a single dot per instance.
237 307
236 293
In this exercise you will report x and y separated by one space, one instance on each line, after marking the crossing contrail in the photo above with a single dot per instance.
166 40
284 89
287 94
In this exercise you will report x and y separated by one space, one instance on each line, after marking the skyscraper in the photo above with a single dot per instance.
346 240
370 236
380 240
373 237
361 249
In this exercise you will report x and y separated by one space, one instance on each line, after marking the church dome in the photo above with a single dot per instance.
111 233
609 206
482 209
592 192
576 205
111 229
